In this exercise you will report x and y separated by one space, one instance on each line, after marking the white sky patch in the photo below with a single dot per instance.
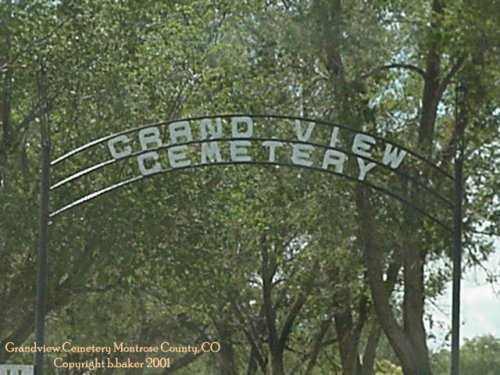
480 306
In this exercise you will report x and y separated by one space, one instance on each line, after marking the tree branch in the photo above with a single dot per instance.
453 71
267 271
292 315
184 361
251 334
317 345
410 67
373 255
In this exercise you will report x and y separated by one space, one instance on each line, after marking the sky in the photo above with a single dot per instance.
480 305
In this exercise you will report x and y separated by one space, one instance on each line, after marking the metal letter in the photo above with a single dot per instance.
364 168
177 157
362 144
334 139
239 151
301 153
301 136
180 129
210 152
209 131
235 121
272 148
141 159
336 158
149 136
127 150
393 157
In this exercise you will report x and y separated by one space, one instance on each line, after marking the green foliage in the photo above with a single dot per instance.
181 256
477 355
385 367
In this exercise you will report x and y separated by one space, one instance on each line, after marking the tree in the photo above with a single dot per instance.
389 67
479 354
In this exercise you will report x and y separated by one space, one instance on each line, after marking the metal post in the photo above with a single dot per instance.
42 259
457 233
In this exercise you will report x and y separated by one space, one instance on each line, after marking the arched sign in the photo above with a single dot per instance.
296 142
117 160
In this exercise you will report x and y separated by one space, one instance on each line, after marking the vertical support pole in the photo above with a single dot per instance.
43 236
457 231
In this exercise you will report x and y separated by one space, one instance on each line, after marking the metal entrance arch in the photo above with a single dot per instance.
247 139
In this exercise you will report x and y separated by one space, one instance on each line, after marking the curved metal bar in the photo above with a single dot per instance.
282 117
94 195
121 184
99 166
84 172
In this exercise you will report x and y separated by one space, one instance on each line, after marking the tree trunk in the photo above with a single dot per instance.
277 367
318 344
226 357
348 330
252 363
368 365
6 97
409 342
374 268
